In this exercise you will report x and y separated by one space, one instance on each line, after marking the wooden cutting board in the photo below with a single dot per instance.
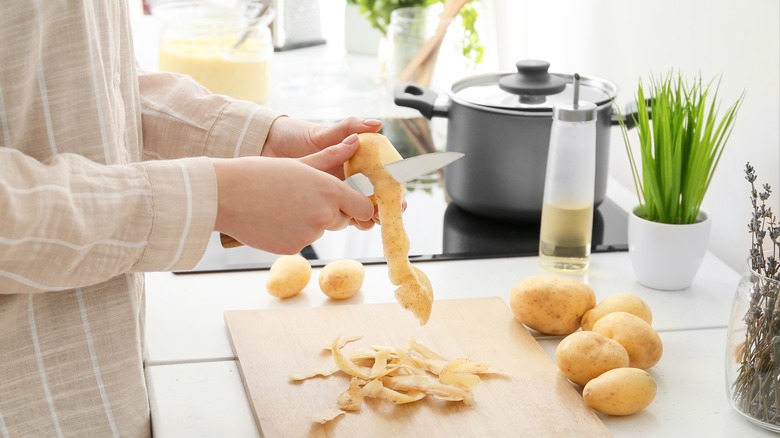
534 401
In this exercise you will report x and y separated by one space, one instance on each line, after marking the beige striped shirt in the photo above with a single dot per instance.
102 178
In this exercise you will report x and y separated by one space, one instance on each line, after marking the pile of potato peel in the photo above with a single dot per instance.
397 374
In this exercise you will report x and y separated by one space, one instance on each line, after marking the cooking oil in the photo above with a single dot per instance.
565 238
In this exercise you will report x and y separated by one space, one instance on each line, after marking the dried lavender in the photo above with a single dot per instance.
762 221
757 386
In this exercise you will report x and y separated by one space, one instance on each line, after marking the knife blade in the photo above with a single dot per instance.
406 170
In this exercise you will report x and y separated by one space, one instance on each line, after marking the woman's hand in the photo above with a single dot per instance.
292 138
281 204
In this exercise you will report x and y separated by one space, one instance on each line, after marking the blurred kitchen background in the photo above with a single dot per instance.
621 41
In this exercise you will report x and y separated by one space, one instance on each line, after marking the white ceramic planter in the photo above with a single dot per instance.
667 256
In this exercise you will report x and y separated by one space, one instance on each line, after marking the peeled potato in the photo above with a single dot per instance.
550 304
288 276
341 279
583 356
622 302
641 341
384 150
622 391
387 152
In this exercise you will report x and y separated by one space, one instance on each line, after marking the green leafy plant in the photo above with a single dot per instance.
378 14
680 148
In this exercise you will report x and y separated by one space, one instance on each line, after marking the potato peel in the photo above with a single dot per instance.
414 291
400 398
450 376
321 372
401 375
326 415
380 363
344 341
347 365
373 388
423 350
426 383
351 399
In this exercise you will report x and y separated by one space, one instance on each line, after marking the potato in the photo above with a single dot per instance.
622 302
341 279
550 304
622 391
583 356
641 341
387 152
362 160
288 276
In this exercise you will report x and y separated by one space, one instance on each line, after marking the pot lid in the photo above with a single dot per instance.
532 88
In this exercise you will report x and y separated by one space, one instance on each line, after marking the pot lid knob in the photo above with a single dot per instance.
532 78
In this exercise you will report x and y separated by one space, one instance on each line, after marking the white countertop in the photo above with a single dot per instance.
194 383
195 387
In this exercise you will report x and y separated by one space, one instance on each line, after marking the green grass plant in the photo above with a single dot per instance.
681 141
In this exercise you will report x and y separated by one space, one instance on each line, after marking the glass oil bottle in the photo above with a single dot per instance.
567 211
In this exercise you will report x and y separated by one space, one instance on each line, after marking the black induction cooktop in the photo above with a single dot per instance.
437 228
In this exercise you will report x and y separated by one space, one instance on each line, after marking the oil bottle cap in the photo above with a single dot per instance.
577 111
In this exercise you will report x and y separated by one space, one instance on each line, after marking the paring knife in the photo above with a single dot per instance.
405 170
402 170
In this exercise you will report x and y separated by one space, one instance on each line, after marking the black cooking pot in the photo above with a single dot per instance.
502 123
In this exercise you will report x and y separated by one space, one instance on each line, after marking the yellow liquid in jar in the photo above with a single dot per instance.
565 238
239 73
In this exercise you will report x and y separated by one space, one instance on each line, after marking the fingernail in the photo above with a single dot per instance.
372 122
353 138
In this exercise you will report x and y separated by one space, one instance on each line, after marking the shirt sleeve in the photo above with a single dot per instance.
181 118
70 222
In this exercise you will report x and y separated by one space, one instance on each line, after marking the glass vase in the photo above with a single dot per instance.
753 350
408 31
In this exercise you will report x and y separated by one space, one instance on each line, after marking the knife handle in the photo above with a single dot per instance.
229 242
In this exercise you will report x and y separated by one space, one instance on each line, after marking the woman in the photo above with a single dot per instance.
104 175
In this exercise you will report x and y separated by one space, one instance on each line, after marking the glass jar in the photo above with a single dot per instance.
753 350
225 49
409 29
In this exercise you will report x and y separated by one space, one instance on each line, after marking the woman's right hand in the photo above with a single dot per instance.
281 205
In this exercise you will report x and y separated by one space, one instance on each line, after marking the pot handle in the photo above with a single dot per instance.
630 113
422 99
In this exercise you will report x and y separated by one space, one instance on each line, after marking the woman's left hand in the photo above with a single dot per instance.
293 138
